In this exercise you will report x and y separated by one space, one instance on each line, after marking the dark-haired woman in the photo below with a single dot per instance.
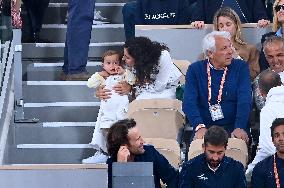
157 76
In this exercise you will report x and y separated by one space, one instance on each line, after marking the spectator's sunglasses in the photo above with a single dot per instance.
279 7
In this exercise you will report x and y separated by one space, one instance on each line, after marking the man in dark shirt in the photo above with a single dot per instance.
270 171
125 144
249 11
155 12
213 169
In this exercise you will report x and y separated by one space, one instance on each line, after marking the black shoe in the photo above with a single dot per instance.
38 39
28 40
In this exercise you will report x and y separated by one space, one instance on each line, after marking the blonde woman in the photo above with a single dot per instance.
226 19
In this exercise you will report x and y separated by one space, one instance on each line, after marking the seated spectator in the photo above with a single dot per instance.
272 89
273 49
156 75
249 11
125 144
277 28
226 19
111 110
270 171
212 168
218 90
154 12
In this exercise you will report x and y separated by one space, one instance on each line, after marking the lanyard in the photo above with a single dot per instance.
276 173
221 85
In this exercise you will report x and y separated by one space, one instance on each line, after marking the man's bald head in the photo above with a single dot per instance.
267 80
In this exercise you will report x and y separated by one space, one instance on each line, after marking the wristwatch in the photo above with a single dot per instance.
199 127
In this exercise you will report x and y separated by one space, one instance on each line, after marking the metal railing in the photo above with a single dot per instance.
6 78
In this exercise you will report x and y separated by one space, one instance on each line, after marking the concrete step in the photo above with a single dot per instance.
58 91
100 33
56 12
54 133
46 71
63 111
50 69
55 176
49 154
56 50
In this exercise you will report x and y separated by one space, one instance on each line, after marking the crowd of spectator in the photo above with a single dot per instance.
218 92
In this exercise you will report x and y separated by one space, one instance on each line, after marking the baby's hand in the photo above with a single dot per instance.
119 70
104 74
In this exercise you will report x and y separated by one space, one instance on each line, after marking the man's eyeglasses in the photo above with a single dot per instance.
279 7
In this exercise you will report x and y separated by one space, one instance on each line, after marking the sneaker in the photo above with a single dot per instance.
99 19
98 16
97 158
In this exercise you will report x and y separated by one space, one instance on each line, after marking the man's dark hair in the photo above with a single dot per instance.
216 136
271 40
277 122
117 135
267 80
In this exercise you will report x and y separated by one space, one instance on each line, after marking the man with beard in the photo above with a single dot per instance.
125 144
270 171
212 168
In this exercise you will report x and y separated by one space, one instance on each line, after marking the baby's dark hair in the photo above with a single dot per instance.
110 53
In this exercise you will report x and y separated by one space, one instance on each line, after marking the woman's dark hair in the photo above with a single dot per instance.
216 136
117 135
146 54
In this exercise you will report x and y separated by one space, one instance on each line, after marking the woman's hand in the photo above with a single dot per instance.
122 88
123 154
103 93
198 24
263 23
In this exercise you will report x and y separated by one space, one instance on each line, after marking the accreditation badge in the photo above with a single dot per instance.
216 112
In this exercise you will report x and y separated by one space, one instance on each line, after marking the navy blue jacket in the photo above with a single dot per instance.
162 168
196 174
162 12
236 98
263 173
205 9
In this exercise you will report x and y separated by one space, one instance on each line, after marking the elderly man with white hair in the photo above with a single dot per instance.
218 89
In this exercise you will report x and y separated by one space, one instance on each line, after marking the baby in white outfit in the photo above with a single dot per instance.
112 109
